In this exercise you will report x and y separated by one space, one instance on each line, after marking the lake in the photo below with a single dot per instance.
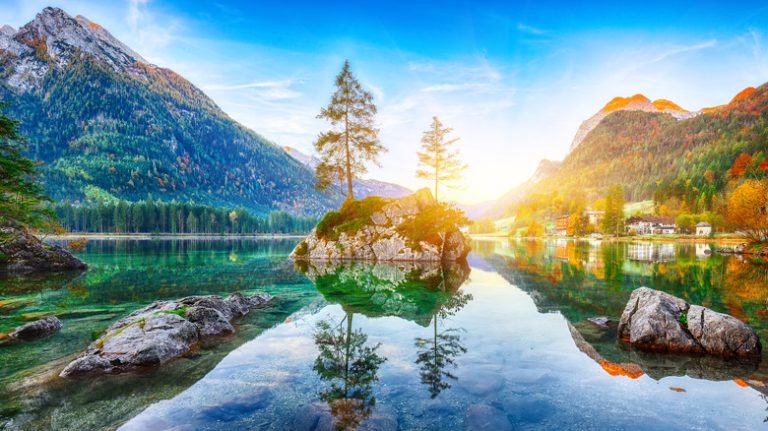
504 342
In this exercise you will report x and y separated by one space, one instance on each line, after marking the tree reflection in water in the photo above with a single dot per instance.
416 292
437 355
351 367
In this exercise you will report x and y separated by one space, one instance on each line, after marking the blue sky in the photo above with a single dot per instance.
513 79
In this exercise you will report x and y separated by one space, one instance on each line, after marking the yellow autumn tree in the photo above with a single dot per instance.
748 209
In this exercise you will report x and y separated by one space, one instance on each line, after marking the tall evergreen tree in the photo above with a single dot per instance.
21 197
436 160
353 139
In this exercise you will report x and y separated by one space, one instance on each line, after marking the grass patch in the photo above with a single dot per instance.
352 215
178 311
100 341
683 319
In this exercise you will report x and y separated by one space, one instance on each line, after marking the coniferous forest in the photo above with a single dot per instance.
149 216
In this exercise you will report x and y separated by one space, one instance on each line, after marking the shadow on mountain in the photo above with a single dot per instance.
411 291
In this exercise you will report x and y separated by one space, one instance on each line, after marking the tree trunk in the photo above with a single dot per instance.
350 193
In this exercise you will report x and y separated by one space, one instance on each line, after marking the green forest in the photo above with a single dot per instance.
687 168
103 134
172 217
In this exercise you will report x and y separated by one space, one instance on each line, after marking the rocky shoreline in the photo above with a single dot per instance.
20 251
162 331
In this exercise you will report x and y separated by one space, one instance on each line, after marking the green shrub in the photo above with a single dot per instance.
352 215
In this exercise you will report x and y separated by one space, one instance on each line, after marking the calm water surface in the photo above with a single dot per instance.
501 343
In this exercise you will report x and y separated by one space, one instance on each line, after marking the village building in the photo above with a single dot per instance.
703 229
561 226
595 216
650 225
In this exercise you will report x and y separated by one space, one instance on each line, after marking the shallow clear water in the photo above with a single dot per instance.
503 343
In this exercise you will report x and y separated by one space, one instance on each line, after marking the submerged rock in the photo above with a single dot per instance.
654 320
21 251
160 332
382 229
37 329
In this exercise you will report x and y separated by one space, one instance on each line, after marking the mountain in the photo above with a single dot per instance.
499 208
361 187
107 124
638 102
655 155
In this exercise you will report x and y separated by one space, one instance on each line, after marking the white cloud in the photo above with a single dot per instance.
682 50
529 29
268 90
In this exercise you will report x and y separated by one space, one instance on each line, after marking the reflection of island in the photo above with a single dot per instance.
411 291
351 367
419 292
437 355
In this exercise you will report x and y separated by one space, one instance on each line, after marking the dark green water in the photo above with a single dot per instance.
502 343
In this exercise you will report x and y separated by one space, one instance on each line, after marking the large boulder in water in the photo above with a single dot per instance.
21 251
654 320
160 332
411 228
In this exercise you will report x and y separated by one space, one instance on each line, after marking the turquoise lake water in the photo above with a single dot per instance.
501 343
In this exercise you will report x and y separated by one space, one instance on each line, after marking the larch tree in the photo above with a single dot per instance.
353 139
22 199
437 162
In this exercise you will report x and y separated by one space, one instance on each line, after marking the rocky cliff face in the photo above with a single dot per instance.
23 252
377 229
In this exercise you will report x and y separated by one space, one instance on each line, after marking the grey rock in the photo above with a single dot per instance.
37 329
209 321
600 321
160 332
379 239
651 321
721 334
21 251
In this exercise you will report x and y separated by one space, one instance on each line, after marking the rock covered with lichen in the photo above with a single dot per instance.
655 320
20 251
160 332
411 228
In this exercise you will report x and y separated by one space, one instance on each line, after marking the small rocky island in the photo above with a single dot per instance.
658 321
162 331
20 251
413 228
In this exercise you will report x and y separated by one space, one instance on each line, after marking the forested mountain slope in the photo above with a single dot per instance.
106 124
653 155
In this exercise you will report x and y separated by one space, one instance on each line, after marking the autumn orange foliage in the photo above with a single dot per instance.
741 383
633 371
748 209
740 165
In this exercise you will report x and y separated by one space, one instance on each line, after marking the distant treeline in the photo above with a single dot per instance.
175 218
